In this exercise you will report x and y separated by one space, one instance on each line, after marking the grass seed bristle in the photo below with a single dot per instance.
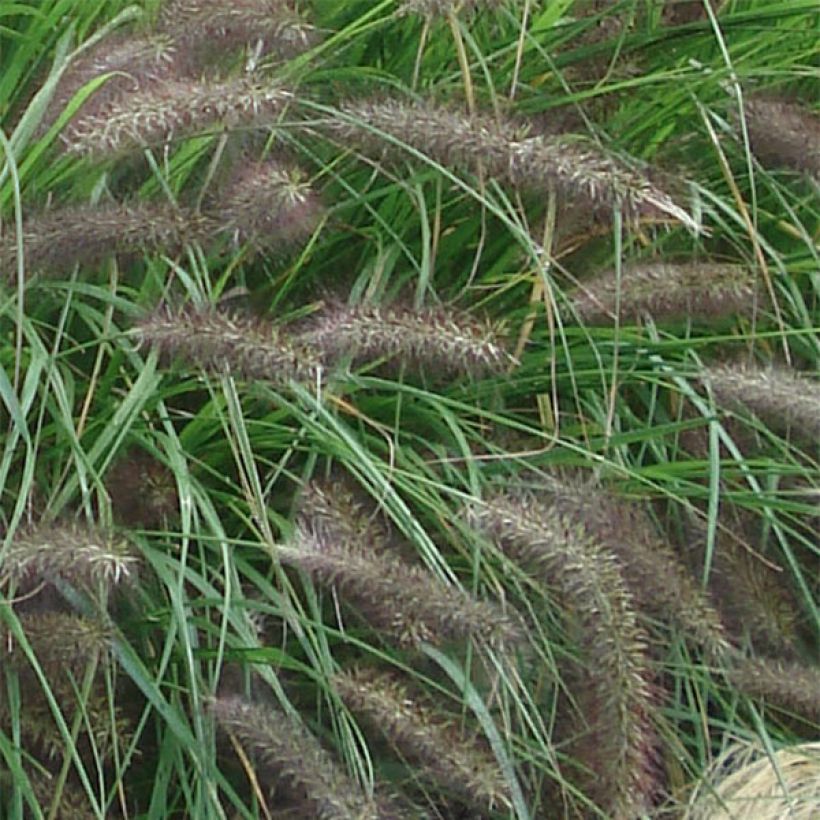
219 343
426 740
788 402
80 555
174 110
284 749
440 342
404 601
618 750
570 164
667 292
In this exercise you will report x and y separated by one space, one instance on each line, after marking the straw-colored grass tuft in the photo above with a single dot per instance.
745 783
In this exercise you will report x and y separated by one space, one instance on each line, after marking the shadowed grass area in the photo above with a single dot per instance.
383 376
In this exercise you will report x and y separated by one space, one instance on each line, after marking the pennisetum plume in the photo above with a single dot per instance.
788 402
335 510
783 133
570 164
59 640
660 583
199 25
288 753
268 204
85 235
343 533
143 491
403 600
427 741
442 8
793 687
664 292
439 341
133 63
618 750
174 110
251 349
79 555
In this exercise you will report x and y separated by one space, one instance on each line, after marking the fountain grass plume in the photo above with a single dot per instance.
660 583
571 164
337 513
404 601
440 342
432 744
200 25
143 491
60 641
443 8
618 750
285 750
783 133
217 342
268 204
80 555
174 110
134 63
85 235
791 686
698 291
786 401
104 725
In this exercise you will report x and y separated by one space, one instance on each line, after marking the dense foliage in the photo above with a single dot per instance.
409 408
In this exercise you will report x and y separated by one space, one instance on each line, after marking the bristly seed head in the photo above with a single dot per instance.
425 739
618 749
219 343
174 110
570 164
286 750
403 600
667 292
198 26
440 342
80 555
787 401
85 235
783 133
268 204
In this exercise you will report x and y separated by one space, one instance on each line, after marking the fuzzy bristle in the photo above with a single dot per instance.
103 725
174 110
85 235
441 342
793 687
659 581
218 343
134 63
618 749
284 749
59 640
788 402
664 292
430 743
79 555
268 204
783 133
442 8
334 511
570 164
198 25
143 491
403 600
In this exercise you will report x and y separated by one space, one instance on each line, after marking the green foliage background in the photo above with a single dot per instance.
613 403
